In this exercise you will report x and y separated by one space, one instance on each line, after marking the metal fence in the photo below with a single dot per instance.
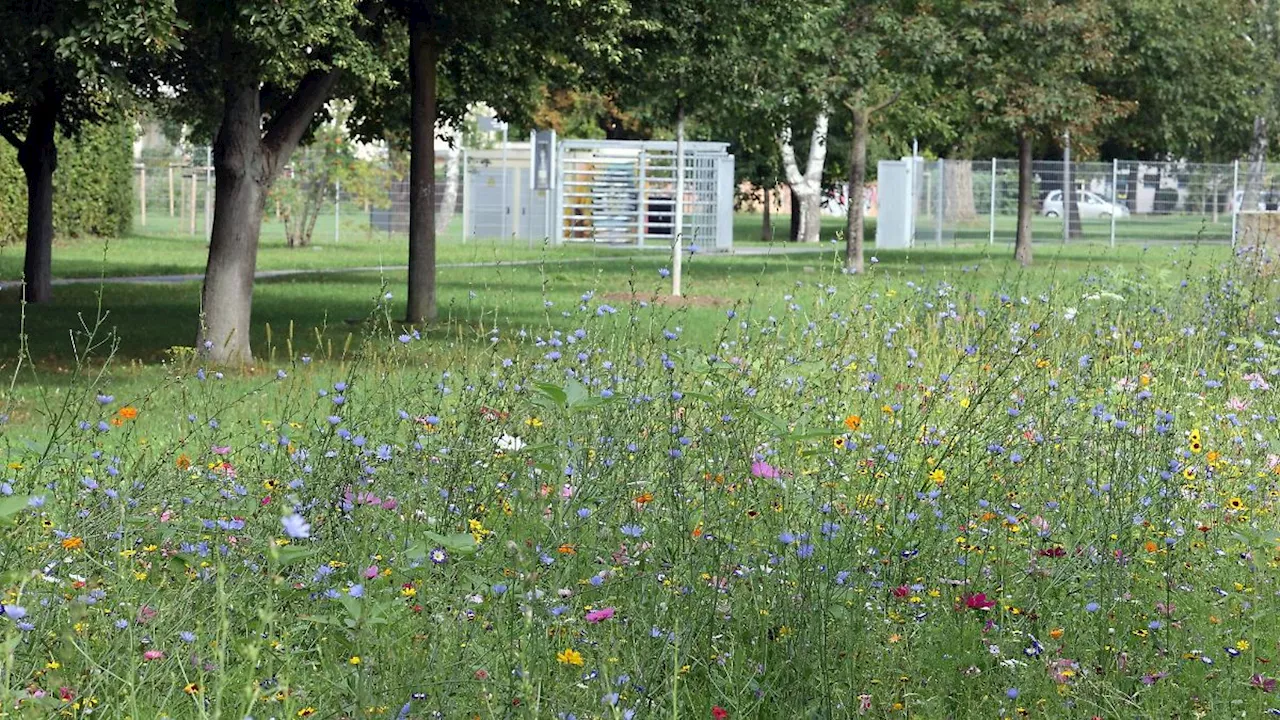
975 201
175 199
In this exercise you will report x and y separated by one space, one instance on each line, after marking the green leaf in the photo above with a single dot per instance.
460 543
12 505
554 392
290 554
575 393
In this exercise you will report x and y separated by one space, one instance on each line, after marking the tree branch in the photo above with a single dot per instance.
286 129
8 134
817 150
881 106
789 166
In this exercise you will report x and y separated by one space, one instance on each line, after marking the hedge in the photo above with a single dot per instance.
92 187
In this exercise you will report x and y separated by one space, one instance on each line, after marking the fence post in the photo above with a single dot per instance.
194 189
938 210
466 196
208 194
1067 192
991 234
644 200
142 192
1115 197
170 189
337 210
1235 203
506 199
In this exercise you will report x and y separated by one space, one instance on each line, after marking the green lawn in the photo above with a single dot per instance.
321 314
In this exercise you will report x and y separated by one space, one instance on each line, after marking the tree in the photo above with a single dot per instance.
894 45
61 67
850 60
252 74
321 169
1191 72
1029 64
1262 33
455 53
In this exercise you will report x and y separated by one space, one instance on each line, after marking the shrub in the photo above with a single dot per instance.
92 186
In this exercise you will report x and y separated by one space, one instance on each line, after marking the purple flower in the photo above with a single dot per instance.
438 556
296 526
634 531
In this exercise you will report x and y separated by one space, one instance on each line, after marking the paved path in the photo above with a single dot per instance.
270 274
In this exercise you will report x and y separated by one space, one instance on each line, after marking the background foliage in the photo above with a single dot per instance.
92 186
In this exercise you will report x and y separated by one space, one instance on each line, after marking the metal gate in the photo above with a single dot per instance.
621 191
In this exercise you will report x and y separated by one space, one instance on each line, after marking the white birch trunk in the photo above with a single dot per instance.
807 186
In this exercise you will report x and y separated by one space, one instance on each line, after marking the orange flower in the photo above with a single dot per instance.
72 543
853 422
697 531
128 412
1056 633
1149 546
568 549
644 497
183 462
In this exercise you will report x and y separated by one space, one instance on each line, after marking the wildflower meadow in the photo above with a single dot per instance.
972 493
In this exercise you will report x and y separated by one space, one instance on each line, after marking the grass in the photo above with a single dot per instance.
950 488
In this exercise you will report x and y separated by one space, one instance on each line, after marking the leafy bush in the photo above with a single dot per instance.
92 186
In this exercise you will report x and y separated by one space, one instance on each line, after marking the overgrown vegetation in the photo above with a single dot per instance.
899 495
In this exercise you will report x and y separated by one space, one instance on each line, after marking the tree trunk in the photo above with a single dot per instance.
240 165
38 157
854 222
1257 165
958 180
1022 242
766 222
794 231
811 217
422 171
806 187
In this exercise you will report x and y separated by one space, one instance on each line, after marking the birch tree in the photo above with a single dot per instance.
806 185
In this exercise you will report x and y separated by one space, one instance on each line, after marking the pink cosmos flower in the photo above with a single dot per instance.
371 572
150 655
596 616
763 470
221 449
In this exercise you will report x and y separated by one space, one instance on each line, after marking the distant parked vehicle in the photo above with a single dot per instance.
1266 201
1090 205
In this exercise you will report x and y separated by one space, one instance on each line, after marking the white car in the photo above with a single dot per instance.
1090 205
1263 199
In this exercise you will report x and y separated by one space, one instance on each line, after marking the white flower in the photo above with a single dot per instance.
1070 314
509 443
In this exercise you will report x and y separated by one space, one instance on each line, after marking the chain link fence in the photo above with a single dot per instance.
1124 201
